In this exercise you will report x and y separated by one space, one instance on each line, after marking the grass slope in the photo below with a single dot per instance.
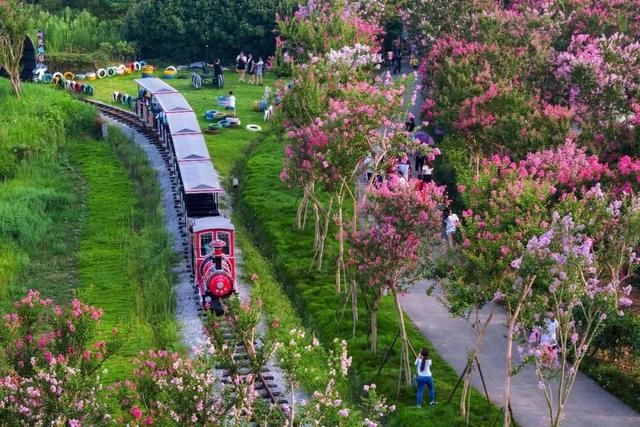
40 209
102 256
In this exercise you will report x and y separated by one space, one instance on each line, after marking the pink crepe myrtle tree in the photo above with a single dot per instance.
570 284
394 248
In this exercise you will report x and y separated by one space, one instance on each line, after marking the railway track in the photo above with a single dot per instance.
264 383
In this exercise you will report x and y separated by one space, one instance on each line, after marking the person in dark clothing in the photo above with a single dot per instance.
218 74
397 59
410 124
251 69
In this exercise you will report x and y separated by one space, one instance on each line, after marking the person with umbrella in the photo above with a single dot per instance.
424 139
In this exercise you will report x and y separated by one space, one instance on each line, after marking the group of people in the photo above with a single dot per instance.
251 66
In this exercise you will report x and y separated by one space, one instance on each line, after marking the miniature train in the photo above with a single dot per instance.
211 248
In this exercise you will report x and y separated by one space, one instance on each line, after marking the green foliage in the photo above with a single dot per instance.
71 31
181 29
104 9
39 209
38 127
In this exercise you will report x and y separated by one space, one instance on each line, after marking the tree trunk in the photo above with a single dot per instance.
481 330
405 370
374 330
340 261
15 83
373 311
526 287
354 306
507 378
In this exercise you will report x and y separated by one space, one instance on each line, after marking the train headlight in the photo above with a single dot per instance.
208 299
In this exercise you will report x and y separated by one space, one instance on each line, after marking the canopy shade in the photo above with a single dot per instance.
199 177
190 147
209 223
183 123
424 138
154 85
173 103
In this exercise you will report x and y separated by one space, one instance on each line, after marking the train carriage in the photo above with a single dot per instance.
211 236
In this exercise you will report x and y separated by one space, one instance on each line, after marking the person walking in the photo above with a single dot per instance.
452 223
251 69
218 74
424 377
397 59
259 71
241 65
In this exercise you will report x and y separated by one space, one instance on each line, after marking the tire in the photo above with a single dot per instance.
101 73
91 76
253 128
111 71
115 96
80 77
69 75
47 78
224 123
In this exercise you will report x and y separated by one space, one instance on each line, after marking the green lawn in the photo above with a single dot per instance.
103 249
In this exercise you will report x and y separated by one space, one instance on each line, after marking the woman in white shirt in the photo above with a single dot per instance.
451 226
423 377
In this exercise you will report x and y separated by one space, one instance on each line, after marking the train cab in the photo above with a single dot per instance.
213 260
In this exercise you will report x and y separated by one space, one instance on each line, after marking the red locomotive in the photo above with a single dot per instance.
211 248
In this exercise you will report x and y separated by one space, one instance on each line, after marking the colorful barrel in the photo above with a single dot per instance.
147 71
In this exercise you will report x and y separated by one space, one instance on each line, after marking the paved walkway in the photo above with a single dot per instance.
589 404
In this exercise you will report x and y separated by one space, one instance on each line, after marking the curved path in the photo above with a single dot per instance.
589 404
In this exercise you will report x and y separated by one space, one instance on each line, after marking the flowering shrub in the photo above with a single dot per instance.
49 362
600 76
328 407
323 25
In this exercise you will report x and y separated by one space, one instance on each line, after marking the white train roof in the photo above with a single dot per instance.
173 103
199 177
155 85
190 147
183 123
212 222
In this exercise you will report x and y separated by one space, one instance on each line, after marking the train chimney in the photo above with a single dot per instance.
218 245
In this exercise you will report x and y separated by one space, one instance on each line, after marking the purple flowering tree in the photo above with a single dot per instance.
569 284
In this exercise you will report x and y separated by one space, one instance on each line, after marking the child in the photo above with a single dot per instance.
259 69
232 103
